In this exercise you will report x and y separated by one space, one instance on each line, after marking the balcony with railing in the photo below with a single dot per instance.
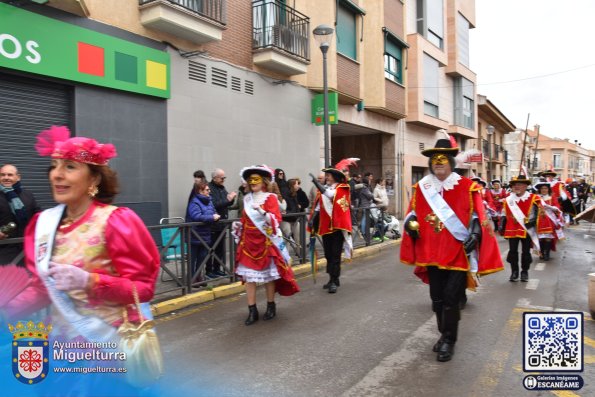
199 21
281 38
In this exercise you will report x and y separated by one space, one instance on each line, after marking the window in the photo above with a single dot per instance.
463 40
464 94
557 160
346 31
430 21
431 93
393 60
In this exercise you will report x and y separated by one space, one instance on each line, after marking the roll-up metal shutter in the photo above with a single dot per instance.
27 107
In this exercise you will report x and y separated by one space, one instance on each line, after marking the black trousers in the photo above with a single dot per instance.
513 253
446 289
333 247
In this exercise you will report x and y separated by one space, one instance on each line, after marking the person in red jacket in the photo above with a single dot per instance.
498 196
331 219
549 220
261 255
486 196
448 237
518 226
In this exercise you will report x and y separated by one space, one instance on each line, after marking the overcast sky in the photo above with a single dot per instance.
524 39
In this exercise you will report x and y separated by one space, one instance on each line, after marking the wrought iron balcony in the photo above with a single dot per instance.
284 30
199 21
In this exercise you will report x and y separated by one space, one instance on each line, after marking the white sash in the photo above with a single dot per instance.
443 211
259 221
327 203
518 214
90 327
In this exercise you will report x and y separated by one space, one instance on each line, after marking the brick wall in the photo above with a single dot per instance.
393 17
395 97
348 76
236 46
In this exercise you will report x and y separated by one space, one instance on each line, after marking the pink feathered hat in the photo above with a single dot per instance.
57 143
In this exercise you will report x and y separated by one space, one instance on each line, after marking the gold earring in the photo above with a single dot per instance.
92 191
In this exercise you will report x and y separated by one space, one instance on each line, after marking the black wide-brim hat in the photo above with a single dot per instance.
338 175
519 179
442 146
547 173
261 170
538 185
480 181
496 181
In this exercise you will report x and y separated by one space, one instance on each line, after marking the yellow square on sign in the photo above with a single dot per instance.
331 118
156 75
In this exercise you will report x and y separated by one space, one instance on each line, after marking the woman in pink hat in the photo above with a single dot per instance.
88 258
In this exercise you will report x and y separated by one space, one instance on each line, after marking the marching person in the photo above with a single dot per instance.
331 219
486 196
262 256
521 209
498 196
549 221
448 238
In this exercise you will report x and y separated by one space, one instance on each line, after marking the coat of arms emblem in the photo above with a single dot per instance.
30 351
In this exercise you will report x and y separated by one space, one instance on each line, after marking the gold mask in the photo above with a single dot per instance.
439 159
255 179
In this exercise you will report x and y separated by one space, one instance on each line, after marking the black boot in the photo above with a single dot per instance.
332 288
325 286
252 315
271 311
546 250
514 276
437 308
450 323
524 276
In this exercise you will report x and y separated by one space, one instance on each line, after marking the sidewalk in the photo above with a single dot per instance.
222 291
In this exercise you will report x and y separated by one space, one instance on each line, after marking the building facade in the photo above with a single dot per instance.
492 127
441 90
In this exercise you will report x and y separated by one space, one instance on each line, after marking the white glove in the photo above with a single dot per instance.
68 277
236 231
258 208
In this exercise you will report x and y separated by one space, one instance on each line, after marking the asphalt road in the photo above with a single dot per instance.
374 337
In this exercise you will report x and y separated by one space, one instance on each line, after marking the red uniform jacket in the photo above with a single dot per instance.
256 251
498 198
486 196
513 228
341 219
437 246
544 223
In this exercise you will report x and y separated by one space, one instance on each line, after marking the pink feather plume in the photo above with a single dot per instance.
47 139
346 163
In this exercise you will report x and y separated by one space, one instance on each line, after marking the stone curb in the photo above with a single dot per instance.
223 291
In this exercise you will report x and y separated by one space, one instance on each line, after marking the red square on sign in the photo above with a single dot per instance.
91 59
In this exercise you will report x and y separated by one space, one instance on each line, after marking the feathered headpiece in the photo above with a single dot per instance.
57 143
262 170
346 163
464 158
447 146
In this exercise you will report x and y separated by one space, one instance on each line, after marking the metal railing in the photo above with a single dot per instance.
280 26
211 9
178 278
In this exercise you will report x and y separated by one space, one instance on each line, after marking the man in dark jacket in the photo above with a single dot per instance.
16 206
222 200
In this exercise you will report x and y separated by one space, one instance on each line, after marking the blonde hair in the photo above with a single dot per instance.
274 188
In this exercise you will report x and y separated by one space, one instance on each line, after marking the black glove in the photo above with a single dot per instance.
317 184
532 217
502 225
313 222
474 238
412 232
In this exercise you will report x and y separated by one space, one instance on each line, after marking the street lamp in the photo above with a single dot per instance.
490 129
323 35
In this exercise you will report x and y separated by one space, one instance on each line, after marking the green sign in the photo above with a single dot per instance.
41 45
318 108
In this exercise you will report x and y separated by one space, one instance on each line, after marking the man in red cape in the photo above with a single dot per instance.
331 219
445 205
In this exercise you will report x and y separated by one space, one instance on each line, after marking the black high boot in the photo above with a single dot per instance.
450 322
325 286
252 315
437 308
547 246
525 263
271 311
513 259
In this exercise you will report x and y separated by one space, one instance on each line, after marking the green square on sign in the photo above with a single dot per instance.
126 68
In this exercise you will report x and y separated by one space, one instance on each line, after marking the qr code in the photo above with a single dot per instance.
553 341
